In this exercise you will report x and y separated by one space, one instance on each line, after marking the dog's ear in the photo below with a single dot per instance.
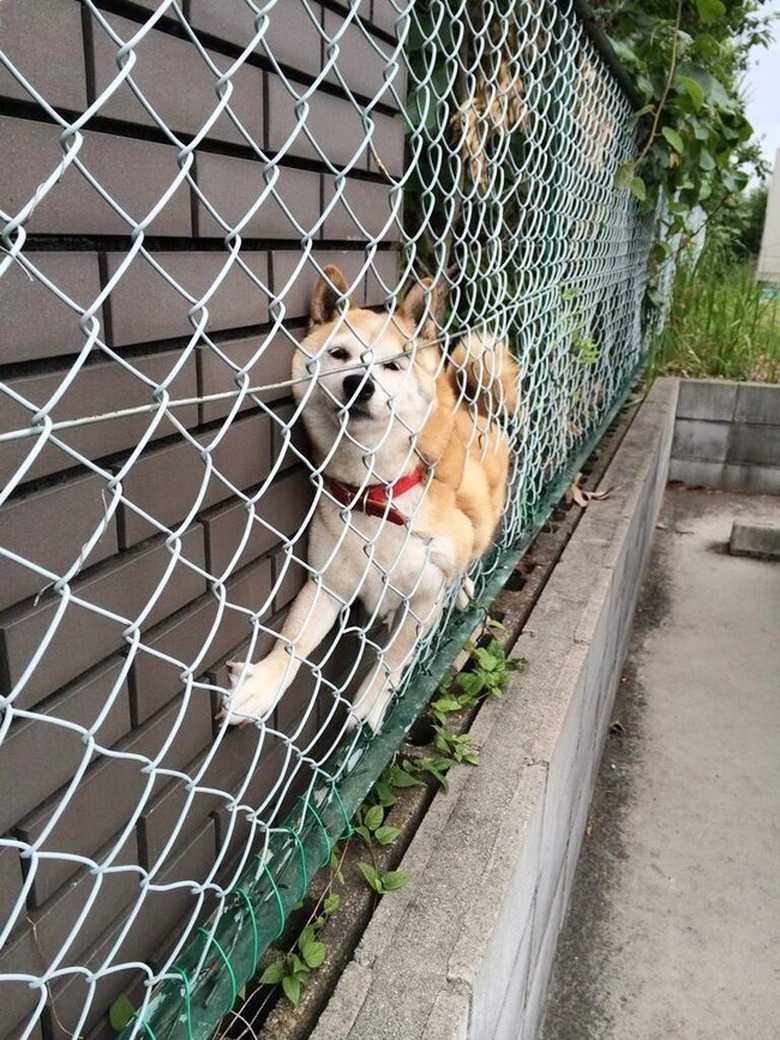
421 307
331 287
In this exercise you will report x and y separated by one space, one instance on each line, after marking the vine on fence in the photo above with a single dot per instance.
686 58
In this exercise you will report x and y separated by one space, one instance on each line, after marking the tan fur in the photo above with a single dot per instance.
379 392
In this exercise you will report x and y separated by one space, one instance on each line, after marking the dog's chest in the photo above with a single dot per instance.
379 562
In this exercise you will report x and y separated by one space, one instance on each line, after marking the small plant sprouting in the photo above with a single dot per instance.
385 881
294 968
372 828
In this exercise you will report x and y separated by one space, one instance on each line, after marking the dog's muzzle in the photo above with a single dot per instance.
357 390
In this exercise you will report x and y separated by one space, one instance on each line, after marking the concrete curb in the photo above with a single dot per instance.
465 950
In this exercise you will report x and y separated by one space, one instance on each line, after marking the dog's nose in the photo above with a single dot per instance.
358 388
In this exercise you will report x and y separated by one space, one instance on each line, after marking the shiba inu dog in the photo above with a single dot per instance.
414 468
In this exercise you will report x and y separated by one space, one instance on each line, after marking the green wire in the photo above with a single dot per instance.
255 935
225 960
187 998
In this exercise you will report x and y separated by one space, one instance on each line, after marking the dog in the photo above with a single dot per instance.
414 466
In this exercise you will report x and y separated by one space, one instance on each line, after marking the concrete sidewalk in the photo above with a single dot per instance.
674 927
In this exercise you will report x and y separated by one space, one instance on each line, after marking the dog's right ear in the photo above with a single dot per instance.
330 289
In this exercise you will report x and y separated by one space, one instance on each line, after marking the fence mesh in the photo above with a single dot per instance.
175 177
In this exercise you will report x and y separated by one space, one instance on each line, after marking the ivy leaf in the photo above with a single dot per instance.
673 138
371 874
331 904
386 835
121 1012
693 90
292 989
639 188
373 817
274 973
314 953
392 880
624 175
710 10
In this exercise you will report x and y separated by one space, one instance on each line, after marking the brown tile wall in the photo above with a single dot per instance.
133 302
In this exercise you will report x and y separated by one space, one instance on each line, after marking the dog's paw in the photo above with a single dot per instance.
255 691
370 707
465 595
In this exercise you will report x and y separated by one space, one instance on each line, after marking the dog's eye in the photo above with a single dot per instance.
392 366
339 354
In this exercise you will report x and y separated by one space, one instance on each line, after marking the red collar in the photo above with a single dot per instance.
377 499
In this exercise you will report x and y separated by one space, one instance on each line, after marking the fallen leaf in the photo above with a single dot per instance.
582 496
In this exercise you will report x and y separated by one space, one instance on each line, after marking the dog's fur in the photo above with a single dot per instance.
377 400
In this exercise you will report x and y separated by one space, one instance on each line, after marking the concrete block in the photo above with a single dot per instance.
701 439
761 480
755 540
697 473
343 1007
135 173
709 399
758 403
753 444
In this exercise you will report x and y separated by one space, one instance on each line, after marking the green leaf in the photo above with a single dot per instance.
693 90
332 903
639 188
364 833
292 989
314 953
386 835
120 1013
710 10
673 138
624 175
392 880
371 874
274 973
373 817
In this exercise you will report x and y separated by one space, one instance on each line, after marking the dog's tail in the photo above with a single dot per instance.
485 372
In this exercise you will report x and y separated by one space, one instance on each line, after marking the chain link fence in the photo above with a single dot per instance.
174 177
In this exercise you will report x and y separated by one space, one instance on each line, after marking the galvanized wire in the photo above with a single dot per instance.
514 131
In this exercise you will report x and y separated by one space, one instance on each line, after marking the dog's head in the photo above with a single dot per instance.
370 370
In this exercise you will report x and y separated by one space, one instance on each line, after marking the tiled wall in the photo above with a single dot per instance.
77 241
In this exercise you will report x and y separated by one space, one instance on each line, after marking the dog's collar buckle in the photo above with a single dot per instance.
377 499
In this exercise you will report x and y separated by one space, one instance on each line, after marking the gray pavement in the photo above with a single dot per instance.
674 926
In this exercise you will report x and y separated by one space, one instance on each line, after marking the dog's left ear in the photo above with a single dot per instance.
330 289
421 307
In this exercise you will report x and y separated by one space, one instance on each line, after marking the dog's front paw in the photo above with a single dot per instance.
465 595
255 690
370 706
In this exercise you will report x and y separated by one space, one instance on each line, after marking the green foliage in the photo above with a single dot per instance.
120 1013
294 969
721 323
371 827
685 59
384 881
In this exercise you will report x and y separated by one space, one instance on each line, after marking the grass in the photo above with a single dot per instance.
722 324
